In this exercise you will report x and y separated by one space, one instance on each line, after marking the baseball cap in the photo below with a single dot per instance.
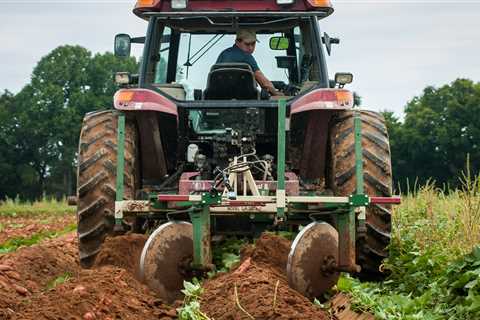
246 35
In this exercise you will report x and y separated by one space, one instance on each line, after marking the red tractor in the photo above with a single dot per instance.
195 150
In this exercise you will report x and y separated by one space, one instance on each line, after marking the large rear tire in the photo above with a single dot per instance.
96 179
377 175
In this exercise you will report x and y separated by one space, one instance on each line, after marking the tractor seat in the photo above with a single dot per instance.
227 81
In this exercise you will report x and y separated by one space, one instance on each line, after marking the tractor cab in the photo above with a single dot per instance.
185 38
220 106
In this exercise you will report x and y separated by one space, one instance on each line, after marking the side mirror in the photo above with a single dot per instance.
286 62
329 41
123 45
279 43
343 78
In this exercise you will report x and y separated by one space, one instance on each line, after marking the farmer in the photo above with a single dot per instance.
241 52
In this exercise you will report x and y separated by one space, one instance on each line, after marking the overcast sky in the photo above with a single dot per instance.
393 48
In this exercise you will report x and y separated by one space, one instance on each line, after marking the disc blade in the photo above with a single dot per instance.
313 255
164 257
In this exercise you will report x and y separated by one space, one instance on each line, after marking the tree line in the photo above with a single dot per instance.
439 134
40 126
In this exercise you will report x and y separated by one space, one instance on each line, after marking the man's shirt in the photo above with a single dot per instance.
235 54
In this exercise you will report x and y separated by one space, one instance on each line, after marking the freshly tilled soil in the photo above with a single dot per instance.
45 281
27 226
104 293
258 288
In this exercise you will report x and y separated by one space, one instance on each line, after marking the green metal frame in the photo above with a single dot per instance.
346 222
357 125
119 183
200 216
199 210
281 145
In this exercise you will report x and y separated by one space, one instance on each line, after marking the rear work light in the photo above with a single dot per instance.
284 2
122 78
179 4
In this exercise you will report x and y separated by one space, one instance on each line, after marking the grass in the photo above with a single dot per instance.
434 258
15 243
46 206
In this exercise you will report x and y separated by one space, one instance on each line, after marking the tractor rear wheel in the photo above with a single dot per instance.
96 179
377 174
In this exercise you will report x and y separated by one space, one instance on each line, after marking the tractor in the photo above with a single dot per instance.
195 151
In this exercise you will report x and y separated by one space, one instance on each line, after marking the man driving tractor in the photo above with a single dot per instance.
242 51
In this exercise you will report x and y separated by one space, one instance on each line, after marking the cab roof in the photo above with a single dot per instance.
146 8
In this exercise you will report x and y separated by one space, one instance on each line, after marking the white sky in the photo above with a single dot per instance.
393 48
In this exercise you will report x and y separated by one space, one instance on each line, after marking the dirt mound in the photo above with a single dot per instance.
105 293
31 283
123 252
29 270
258 287
269 249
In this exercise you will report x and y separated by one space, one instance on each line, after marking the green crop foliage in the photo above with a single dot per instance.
227 254
191 306
434 261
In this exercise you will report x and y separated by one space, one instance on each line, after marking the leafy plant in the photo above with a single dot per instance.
59 280
227 254
191 306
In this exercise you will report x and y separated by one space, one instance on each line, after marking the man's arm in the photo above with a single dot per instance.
265 83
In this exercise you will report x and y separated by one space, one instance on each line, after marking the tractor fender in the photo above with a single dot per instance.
323 99
143 100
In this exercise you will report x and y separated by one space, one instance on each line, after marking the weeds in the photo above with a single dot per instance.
434 258
16 207
470 208
59 280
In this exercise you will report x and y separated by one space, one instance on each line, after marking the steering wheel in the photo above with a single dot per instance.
287 89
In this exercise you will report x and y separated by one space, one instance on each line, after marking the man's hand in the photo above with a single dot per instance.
266 84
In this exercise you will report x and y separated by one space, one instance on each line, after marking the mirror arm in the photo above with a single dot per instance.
138 40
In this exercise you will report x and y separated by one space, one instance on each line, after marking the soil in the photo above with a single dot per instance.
25 227
115 250
105 293
45 281
258 287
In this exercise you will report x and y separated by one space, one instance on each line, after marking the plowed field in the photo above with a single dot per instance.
45 281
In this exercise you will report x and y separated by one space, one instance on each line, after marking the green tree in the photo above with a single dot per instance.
65 84
440 128
8 175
